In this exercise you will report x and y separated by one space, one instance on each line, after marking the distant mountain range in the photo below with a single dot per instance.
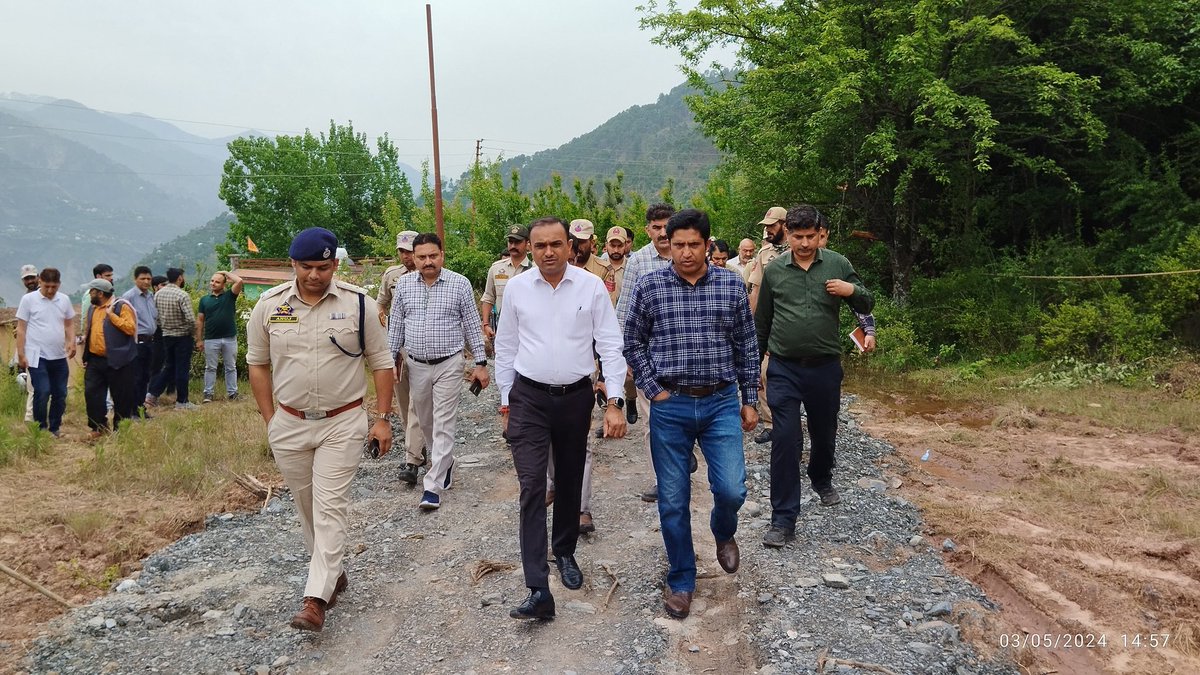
649 143
79 186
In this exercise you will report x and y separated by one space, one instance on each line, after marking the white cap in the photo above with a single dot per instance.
28 271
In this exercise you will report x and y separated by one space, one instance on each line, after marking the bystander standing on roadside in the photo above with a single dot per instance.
142 298
216 332
797 322
45 342
433 316
695 393
157 352
178 323
29 279
110 348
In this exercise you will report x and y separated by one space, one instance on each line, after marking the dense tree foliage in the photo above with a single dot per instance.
277 187
978 140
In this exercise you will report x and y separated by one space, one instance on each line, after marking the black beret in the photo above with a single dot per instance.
315 243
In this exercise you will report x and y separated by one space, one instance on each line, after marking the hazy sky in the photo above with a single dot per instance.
523 75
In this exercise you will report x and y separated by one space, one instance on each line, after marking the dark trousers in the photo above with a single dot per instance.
539 424
819 390
177 365
141 379
99 380
49 381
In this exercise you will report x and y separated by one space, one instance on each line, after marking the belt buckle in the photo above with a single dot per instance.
557 389
314 414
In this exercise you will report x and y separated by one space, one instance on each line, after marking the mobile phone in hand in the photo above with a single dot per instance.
476 387
374 448
601 401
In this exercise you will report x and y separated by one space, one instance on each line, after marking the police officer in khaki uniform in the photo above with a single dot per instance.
498 276
774 243
307 343
414 439
584 244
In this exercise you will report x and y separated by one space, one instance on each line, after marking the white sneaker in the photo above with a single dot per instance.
186 406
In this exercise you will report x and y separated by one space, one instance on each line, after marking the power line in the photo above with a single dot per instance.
1111 276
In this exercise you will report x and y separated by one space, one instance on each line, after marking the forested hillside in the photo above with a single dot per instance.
648 143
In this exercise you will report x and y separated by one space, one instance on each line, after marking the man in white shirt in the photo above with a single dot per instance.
45 340
29 279
544 362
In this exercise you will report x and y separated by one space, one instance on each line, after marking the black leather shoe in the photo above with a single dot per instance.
568 571
408 473
539 605
692 463
631 415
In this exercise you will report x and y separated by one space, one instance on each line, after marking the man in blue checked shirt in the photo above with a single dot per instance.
693 371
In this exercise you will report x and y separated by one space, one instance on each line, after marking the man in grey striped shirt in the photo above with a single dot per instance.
433 315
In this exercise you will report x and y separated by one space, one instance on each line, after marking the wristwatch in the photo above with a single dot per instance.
619 402
481 363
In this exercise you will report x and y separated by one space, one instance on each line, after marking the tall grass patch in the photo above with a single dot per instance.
192 454
18 439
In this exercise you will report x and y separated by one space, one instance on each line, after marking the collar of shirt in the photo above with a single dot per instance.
568 275
707 278
791 259
295 291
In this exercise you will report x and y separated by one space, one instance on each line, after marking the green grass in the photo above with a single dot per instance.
18 439
180 453
1161 395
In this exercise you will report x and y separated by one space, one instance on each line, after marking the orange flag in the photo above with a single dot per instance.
250 245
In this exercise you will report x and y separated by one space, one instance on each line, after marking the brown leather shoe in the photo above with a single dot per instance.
728 555
586 526
678 604
343 583
311 616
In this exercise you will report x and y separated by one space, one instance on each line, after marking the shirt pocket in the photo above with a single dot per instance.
344 336
283 337
580 325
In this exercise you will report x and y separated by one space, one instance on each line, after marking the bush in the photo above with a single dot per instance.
899 347
472 263
1110 328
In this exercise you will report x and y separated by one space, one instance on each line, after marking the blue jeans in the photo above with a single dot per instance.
49 381
225 349
676 424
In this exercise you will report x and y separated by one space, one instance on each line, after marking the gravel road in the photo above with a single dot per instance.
860 588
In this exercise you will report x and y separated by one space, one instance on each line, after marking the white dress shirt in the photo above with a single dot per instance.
546 333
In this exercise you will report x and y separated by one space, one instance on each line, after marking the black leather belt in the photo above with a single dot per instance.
433 362
144 338
808 361
694 392
556 389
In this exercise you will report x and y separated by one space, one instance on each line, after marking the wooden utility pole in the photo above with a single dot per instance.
437 159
